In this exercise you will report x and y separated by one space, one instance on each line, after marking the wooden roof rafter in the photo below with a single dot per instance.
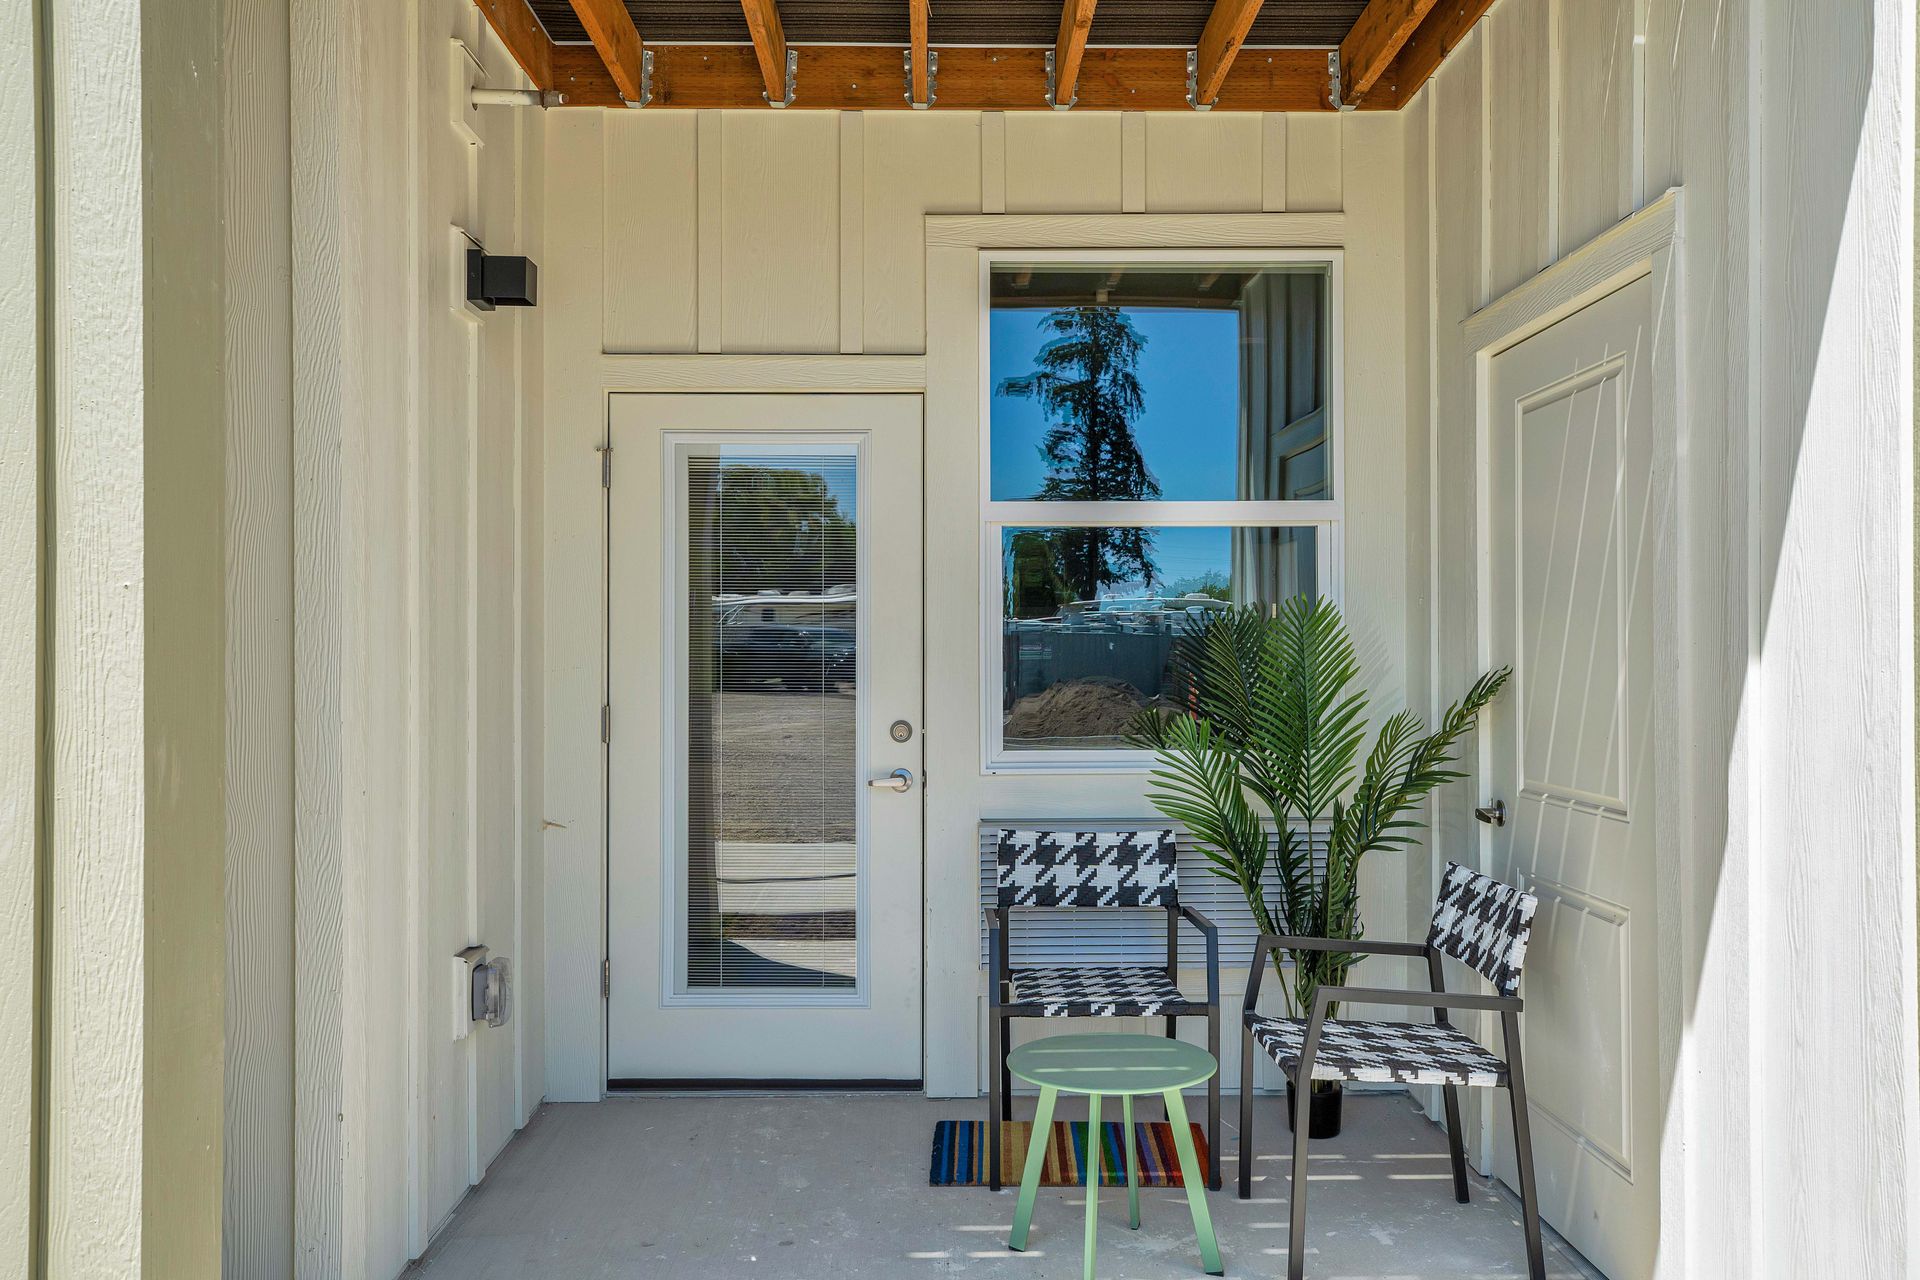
524 37
1379 34
920 88
770 49
1226 31
1442 31
1069 50
617 41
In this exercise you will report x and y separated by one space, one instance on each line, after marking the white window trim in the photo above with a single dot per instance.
676 991
1328 518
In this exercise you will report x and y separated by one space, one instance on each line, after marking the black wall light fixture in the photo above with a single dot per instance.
495 281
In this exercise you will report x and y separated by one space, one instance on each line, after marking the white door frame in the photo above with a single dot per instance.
1648 243
575 1028
642 978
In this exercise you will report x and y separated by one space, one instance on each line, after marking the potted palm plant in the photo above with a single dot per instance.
1262 765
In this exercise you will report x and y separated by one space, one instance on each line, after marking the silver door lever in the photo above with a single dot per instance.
898 780
1494 815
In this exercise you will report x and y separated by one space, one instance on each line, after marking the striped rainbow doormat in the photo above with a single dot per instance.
960 1155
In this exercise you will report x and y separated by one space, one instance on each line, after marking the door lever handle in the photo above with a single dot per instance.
1494 815
898 780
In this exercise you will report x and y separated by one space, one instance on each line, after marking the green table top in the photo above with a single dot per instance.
1111 1064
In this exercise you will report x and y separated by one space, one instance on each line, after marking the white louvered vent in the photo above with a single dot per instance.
1097 937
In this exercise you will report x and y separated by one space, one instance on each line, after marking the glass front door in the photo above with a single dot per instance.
764 857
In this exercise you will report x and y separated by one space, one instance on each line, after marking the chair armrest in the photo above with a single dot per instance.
1211 932
1364 946
1270 942
1416 999
1200 922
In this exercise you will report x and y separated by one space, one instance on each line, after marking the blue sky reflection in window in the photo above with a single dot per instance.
1142 383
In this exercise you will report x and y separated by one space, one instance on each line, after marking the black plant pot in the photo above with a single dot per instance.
1323 1109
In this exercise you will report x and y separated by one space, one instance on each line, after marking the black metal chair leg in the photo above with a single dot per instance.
1246 1114
1523 1148
1297 1186
1213 1100
1006 1076
997 1098
1455 1147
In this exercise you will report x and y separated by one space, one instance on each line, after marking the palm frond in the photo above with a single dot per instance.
1267 725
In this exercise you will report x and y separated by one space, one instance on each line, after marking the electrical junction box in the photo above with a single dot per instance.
482 991
468 966
492 993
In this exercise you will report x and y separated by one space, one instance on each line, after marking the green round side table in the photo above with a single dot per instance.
1100 1066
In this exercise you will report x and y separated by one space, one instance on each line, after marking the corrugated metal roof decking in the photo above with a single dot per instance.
977 22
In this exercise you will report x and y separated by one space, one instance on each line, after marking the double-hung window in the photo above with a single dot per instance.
1161 442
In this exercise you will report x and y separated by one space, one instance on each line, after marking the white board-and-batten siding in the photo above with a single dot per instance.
801 232
1788 128
413 573
681 245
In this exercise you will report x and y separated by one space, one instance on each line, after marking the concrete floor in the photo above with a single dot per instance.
835 1188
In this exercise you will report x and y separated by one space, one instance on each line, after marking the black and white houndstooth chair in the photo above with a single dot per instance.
1478 921
1093 870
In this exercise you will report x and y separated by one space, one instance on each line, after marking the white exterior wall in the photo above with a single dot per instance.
110 589
682 241
258 1192
383 675
1790 1078
21 447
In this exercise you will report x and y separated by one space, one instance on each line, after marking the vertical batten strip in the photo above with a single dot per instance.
1491 60
1133 162
853 258
573 595
1556 149
22 165
709 213
257 1233
318 37
993 162
1635 192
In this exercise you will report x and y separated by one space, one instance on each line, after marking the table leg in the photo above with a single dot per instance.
1195 1178
1030 1176
1092 1171
1133 1162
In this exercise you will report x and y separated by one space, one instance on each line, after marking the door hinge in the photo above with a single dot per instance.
606 978
606 466
606 723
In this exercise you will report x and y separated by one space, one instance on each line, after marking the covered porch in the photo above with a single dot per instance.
557 555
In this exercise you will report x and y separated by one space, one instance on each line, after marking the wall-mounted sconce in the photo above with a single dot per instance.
496 281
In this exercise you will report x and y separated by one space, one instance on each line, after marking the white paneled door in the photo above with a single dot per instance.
764 744
1566 517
